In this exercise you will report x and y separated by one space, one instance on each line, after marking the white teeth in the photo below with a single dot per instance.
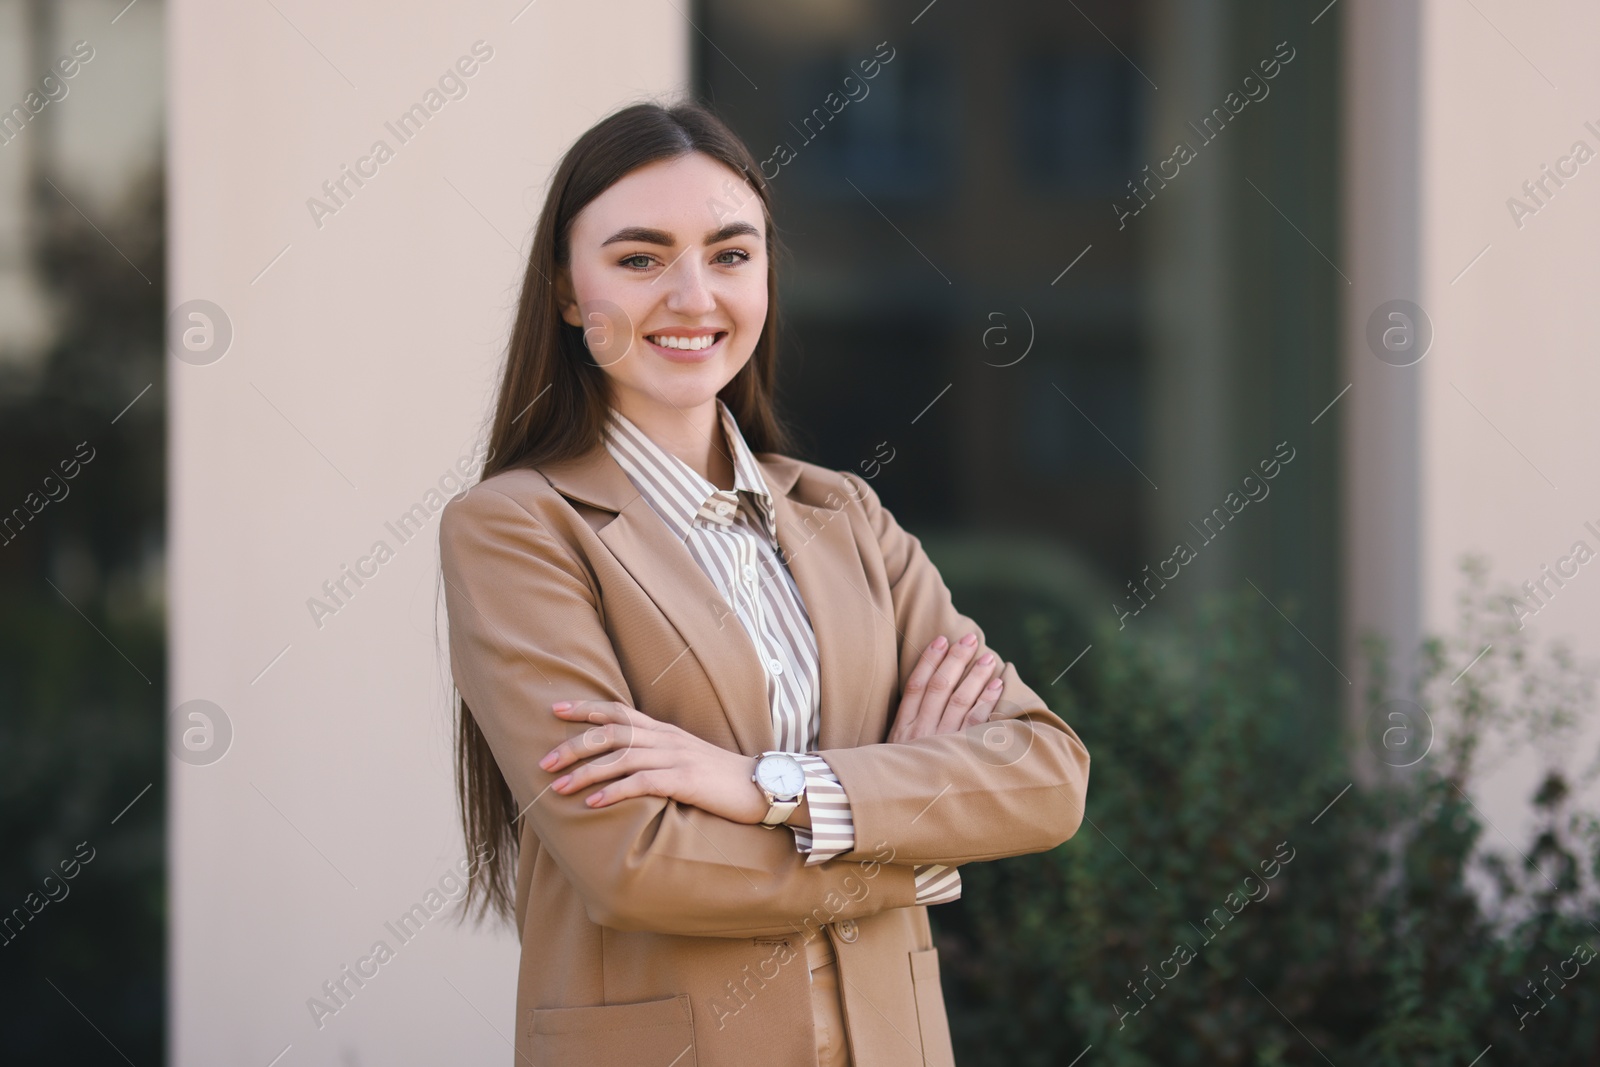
687 344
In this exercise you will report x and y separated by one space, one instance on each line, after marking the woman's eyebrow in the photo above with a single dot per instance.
641 234
650 236
731 230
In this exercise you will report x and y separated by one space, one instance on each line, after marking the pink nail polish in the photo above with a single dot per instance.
970 639
940 642
986 659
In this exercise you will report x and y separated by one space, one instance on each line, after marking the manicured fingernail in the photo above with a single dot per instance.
561 705
986 659
970 639
561 783
940 642
592 799
547 761
994 684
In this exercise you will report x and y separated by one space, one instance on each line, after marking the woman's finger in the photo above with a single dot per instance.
653 782
987 701
596 741
967 693
621 761
915 687
602 711
943 684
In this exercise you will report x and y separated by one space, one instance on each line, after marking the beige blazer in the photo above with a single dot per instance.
655 933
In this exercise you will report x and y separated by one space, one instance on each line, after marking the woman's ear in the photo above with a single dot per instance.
564 299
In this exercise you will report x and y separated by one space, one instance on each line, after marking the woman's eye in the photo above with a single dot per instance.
638 262
737 253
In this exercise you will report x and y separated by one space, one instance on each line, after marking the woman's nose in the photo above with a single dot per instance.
688 291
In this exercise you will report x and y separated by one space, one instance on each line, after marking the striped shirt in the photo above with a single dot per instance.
732 535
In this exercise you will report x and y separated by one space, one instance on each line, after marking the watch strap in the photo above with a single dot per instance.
779 811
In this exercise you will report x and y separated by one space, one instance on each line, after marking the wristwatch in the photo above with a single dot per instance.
782 781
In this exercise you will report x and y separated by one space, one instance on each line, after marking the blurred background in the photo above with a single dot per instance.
1299 287
83 540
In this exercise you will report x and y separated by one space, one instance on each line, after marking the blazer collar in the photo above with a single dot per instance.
820 548
596 479
679 493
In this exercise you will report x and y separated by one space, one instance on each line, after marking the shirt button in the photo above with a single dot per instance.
776 665
749 574
724 509
847 931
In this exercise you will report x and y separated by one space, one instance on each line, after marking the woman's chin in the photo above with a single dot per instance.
688 384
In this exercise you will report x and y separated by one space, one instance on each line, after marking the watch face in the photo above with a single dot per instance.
781 776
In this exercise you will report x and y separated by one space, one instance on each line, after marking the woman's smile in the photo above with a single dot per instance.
687 345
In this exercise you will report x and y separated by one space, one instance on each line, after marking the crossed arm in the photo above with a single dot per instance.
685 856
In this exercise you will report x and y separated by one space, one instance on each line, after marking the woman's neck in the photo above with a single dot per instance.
694 435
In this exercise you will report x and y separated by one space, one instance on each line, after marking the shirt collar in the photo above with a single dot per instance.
678 492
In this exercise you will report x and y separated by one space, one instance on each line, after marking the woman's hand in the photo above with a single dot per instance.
639 756
938 699
945 693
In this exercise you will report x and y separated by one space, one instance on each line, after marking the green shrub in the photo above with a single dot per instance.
1399 929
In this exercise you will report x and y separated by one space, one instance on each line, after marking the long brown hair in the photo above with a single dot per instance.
553 400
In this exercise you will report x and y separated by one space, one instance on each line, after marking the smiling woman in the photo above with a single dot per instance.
671 639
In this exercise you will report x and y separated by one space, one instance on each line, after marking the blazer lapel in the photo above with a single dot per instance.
649 551
663 567
822 556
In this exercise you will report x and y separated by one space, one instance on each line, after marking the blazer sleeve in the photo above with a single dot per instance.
833 833
1011 786
526 631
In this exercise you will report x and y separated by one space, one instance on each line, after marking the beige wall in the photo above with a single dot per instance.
363 358
1509 395
1488 445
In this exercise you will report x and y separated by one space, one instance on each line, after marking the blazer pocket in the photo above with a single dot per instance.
615 1035
931 1021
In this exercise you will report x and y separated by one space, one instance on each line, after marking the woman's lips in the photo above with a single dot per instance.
681 355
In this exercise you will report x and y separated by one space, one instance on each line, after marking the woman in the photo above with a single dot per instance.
678 650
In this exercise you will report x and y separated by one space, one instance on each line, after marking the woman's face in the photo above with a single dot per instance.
668 277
